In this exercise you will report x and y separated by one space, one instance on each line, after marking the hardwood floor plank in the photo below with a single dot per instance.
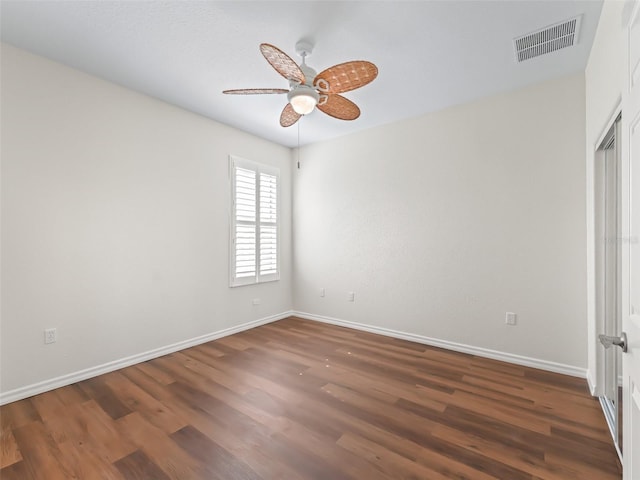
263 427
196 363
17 471
202 448
40 453
251 446
510 455
306 428
137 466
389 417
137 399
48 404
162 450
86 463
301 400
362 385
16 414
72 395
98 389
513 415
9 450
149 384
582 469
394 465
485 427
91 429
309 464
158 375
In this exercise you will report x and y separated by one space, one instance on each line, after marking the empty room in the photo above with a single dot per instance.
372 240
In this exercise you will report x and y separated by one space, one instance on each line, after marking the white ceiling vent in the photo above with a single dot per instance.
547 40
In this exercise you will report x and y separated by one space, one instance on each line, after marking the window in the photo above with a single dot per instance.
254 222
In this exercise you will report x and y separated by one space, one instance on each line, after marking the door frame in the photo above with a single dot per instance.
598 265
596 299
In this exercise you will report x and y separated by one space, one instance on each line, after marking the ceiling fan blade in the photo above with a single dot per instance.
282 62
254 91
340 107
347 76
289 116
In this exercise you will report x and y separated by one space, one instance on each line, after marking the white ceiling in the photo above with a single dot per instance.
430 54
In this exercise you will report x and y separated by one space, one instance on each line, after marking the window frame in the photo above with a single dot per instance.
258 168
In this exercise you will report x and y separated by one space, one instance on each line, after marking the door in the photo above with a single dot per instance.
630 247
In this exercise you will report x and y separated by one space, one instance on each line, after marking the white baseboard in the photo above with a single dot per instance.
68 379
592 383
457 347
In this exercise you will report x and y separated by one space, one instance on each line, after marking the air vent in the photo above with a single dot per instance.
547 40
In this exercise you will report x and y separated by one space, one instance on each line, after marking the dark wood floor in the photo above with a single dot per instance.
301 400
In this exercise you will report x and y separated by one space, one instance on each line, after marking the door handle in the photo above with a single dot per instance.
620 341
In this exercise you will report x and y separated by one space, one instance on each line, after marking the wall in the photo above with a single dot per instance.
604 77
442 223
115 224
115 228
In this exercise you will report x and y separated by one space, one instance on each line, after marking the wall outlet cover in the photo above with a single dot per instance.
50 335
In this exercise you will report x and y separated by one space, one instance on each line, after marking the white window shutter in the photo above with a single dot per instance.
245 223
254 223
268 224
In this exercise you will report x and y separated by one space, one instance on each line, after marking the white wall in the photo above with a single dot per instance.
604 78
442 223
115 223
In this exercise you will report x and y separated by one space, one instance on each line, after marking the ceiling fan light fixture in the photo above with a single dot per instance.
303 99
308 89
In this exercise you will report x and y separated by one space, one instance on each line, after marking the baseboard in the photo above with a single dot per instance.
592 383
457 347
68 379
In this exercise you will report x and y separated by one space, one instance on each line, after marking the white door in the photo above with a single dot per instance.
630 210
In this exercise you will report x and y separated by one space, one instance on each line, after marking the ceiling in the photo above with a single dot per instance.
430 54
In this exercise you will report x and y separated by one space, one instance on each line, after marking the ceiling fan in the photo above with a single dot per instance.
308 90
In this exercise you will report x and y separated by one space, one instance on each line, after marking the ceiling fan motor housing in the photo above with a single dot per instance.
309 73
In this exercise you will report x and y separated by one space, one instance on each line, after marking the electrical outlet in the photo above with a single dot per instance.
510 318
255 301
50 335
351 296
